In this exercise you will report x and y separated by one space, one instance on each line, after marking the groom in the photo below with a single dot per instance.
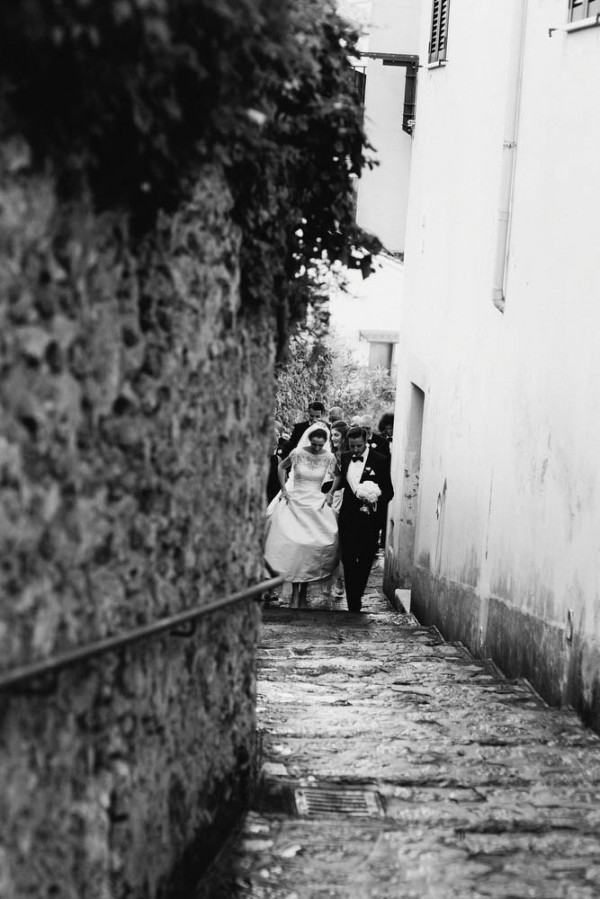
359 530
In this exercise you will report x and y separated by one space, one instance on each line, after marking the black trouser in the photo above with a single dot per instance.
358 548
383 523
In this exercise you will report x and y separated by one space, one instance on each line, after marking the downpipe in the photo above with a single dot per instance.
509 152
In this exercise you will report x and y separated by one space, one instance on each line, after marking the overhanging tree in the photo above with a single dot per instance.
131 97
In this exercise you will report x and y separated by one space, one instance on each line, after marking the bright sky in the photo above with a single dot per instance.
359 12
356 10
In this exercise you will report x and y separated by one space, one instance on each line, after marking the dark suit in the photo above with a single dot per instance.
379 444
359 531
273 485
297 433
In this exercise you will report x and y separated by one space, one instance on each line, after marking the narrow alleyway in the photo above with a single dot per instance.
394 765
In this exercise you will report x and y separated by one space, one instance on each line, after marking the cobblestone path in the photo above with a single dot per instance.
395 766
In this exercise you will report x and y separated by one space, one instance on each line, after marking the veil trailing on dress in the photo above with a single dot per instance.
304 441
304 444
301 535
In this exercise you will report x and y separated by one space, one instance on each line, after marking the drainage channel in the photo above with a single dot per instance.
310 798
314 802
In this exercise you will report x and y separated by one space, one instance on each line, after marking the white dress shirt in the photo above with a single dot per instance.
355 472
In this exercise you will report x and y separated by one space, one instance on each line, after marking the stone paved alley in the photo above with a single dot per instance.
394 765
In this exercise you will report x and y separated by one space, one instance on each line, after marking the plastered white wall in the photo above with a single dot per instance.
512 401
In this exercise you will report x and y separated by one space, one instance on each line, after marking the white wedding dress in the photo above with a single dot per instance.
301 538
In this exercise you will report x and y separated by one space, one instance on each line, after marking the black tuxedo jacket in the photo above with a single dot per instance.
379 444
273 485
297 433
377 469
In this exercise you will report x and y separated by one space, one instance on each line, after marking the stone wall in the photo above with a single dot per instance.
134 407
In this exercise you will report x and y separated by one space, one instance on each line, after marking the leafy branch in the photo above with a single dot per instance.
131 97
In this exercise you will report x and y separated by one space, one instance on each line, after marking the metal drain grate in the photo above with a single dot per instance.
314 801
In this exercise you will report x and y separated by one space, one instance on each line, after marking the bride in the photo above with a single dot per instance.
301 538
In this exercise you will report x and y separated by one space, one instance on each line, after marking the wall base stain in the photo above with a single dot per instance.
520 645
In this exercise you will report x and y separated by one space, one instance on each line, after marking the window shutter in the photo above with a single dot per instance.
439 30
582 9
360 83
435 26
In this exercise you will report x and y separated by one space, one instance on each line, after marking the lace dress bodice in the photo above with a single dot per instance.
311 469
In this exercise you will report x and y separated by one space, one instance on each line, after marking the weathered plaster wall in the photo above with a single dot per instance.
506 542
383 190
133 402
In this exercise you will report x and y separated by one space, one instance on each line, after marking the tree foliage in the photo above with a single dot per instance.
304 374
132 96
318 369
358 389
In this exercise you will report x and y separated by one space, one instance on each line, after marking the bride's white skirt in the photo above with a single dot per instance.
301 538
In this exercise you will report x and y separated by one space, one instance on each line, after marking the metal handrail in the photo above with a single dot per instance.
83 653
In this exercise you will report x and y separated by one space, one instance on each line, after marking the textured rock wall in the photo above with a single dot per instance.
134 401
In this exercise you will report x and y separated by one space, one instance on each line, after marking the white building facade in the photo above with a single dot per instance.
495 525
390 67
366 316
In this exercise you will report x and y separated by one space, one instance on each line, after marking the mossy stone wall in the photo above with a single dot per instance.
135 401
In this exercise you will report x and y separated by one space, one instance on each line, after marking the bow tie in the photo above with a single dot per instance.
356 458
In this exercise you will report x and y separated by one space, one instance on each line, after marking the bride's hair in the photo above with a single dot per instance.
319 432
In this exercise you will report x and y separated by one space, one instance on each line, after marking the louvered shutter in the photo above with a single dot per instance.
439 30
583 9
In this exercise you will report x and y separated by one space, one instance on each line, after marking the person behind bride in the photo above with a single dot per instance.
339 429
301 535
339 444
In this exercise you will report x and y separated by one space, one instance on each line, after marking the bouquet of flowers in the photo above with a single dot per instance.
368 493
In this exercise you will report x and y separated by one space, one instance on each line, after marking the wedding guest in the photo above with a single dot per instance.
339 429
339 445
386 427
280 440
386 432
316 412
375 441
335 414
